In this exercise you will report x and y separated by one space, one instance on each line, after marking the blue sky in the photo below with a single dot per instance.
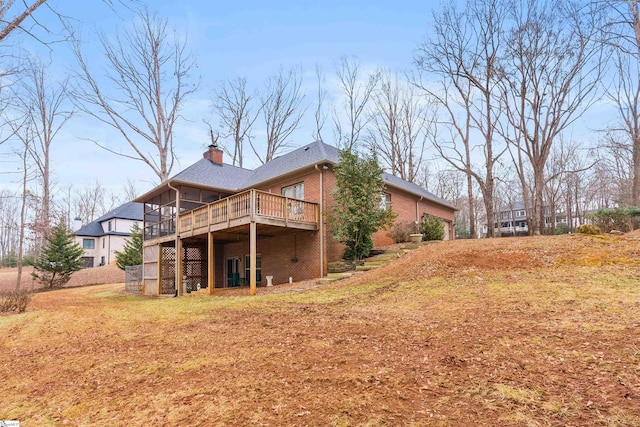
230 39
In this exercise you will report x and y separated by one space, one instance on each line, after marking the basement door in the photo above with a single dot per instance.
233 272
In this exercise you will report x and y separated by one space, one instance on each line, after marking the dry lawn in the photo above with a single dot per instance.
509 332
89 276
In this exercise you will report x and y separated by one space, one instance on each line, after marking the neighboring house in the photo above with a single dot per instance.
233 226
101 238
512 220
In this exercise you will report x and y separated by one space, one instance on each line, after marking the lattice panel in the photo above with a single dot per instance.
195 267
168 268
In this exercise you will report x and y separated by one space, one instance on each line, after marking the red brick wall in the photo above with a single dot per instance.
295 254
409 207
311 179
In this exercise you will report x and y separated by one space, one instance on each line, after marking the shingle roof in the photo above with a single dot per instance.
206 172
414 189
93 229
233 179
300 158
130 210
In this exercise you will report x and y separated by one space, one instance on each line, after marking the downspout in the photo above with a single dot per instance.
178 273
321 225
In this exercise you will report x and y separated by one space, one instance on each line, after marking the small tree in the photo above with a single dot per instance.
358 212
432 228
59 258
132 251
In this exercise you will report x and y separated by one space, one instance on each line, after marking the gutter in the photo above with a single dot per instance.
321 208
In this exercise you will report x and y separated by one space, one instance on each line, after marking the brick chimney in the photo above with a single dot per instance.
214 154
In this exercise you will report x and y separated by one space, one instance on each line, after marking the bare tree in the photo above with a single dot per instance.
19 16
352 117
461 67
625 96
23 213
320 114
9 225
622 30
90 202
615 160
234 108
400 126
43 104
282 110
129 191
150 74
552 71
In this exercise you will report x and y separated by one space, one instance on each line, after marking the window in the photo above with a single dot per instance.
247 269
295 191
88 244
295 210
101 261
109 226
103 239
520 213
385 201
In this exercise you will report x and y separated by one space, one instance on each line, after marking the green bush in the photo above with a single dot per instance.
432 228
561 229
59 259
588 229
621 219
132 252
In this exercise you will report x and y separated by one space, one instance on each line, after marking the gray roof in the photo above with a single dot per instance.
206 172
412 188
233 179
93 229
130 210
300 158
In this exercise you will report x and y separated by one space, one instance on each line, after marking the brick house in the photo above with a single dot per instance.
234 226
100 239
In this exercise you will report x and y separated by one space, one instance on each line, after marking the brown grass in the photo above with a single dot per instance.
519 331
89 276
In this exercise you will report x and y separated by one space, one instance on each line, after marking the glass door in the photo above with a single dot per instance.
233 272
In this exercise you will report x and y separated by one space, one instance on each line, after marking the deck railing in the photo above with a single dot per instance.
250 204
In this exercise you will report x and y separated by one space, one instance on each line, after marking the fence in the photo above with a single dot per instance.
133 279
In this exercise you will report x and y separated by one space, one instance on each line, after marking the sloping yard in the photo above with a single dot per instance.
521 331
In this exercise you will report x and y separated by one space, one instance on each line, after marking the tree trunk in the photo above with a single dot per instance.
472 214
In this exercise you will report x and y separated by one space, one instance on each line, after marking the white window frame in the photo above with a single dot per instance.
295 191
385 201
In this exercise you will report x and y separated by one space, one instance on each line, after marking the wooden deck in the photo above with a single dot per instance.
247 207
